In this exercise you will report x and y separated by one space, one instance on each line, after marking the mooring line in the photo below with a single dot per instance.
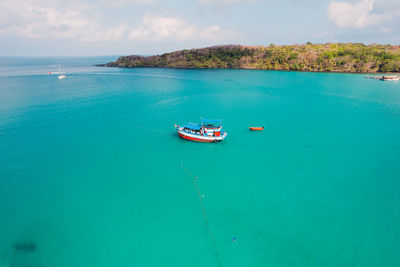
204 213
147 129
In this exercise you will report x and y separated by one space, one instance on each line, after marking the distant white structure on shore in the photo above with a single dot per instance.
386 78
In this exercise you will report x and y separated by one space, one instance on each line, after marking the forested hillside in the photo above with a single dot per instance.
341 57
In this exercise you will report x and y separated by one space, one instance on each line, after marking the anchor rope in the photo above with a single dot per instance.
204 213
148 129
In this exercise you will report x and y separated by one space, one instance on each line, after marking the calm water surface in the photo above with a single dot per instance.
93 174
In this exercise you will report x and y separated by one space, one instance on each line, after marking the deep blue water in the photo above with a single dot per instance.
93 173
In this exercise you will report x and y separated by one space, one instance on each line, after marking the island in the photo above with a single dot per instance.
329 57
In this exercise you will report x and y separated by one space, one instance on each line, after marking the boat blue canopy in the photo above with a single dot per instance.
210 122
192 126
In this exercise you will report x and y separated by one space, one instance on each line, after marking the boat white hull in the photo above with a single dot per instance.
200 138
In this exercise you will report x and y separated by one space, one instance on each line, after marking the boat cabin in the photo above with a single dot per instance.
206 128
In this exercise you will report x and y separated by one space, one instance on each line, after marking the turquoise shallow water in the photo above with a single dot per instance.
91 167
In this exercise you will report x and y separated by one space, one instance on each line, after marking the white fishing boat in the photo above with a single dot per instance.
208 131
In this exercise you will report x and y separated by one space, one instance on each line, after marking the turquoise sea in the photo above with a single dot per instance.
92 172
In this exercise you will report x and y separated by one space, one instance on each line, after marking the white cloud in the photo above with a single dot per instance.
223 2
221 5
120 3
170 28
77 20
364 13
54 19
386 29
347 15
322 35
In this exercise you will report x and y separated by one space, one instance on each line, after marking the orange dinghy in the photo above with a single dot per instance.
256 128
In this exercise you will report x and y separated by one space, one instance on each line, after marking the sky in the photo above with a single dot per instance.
147 27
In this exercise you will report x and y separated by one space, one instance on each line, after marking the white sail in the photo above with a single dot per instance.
60 74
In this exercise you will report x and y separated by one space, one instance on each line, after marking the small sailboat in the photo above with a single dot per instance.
256 128
60 74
